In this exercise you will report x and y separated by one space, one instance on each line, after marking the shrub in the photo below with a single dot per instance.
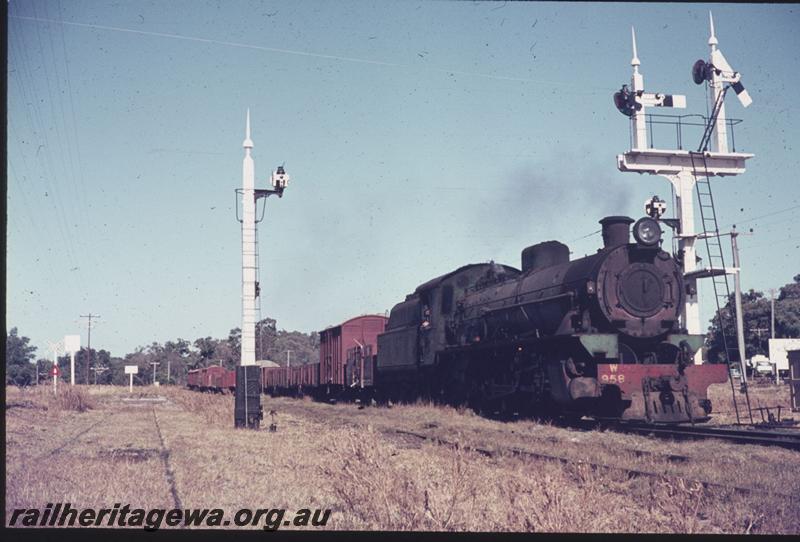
73 398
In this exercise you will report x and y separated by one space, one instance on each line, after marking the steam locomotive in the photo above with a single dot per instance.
597 336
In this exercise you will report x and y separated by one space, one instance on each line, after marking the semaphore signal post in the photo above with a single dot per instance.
247 405
688 171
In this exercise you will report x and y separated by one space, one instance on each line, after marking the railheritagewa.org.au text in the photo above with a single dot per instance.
65 515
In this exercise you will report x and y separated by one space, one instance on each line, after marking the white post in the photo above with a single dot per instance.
738 300
684 188
131 370
72 343
55 348
719 135
638 119
248 340
772 312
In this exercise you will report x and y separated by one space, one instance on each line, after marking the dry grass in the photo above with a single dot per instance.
67 398
73 398
344 459
762 393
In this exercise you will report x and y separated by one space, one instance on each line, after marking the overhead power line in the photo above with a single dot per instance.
307 53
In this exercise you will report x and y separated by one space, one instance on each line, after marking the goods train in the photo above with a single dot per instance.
597 336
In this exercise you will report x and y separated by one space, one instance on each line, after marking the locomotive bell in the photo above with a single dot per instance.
616 230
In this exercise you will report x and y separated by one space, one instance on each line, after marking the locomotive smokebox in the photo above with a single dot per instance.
616 230
544 255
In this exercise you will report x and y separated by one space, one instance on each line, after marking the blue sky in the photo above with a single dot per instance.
419 136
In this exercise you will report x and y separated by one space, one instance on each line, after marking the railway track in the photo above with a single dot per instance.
628 471
443 436
761 437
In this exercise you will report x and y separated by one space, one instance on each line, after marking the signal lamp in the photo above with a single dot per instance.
280 179
647 232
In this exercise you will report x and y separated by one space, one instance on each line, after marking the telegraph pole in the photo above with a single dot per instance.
738 298
89 346
772 312
154 364
98 370
759 331
772 329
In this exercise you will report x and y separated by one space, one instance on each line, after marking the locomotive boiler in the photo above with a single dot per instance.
598 335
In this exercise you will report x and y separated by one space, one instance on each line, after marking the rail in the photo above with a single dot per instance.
781 439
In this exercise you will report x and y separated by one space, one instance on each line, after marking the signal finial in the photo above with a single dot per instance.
712 40
248 143
635 60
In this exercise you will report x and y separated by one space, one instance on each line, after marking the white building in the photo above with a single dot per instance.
778 349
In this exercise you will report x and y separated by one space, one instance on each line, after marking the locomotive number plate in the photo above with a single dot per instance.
611 375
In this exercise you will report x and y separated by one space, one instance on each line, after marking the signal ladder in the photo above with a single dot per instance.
716 260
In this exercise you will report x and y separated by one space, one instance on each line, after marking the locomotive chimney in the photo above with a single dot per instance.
544 255
616 230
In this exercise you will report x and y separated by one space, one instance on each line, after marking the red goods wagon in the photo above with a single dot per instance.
214 377
266 380
193 378
229 379
334 342
359 370
273 377
308 375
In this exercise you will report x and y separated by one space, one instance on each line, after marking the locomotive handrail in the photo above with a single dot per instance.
520 304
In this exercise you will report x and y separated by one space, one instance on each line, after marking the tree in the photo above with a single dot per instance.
177 358
43 368
19 355
304 347
756 311
787 310
206 350
141 359
235 345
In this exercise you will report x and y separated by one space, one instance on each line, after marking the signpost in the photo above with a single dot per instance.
131 370
56 348
72 344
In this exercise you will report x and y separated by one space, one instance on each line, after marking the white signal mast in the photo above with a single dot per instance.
247 411
249 248
683 167
250 286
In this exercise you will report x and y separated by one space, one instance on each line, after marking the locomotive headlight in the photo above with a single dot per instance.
647 232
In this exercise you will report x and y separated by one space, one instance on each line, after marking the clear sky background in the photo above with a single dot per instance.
420 136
